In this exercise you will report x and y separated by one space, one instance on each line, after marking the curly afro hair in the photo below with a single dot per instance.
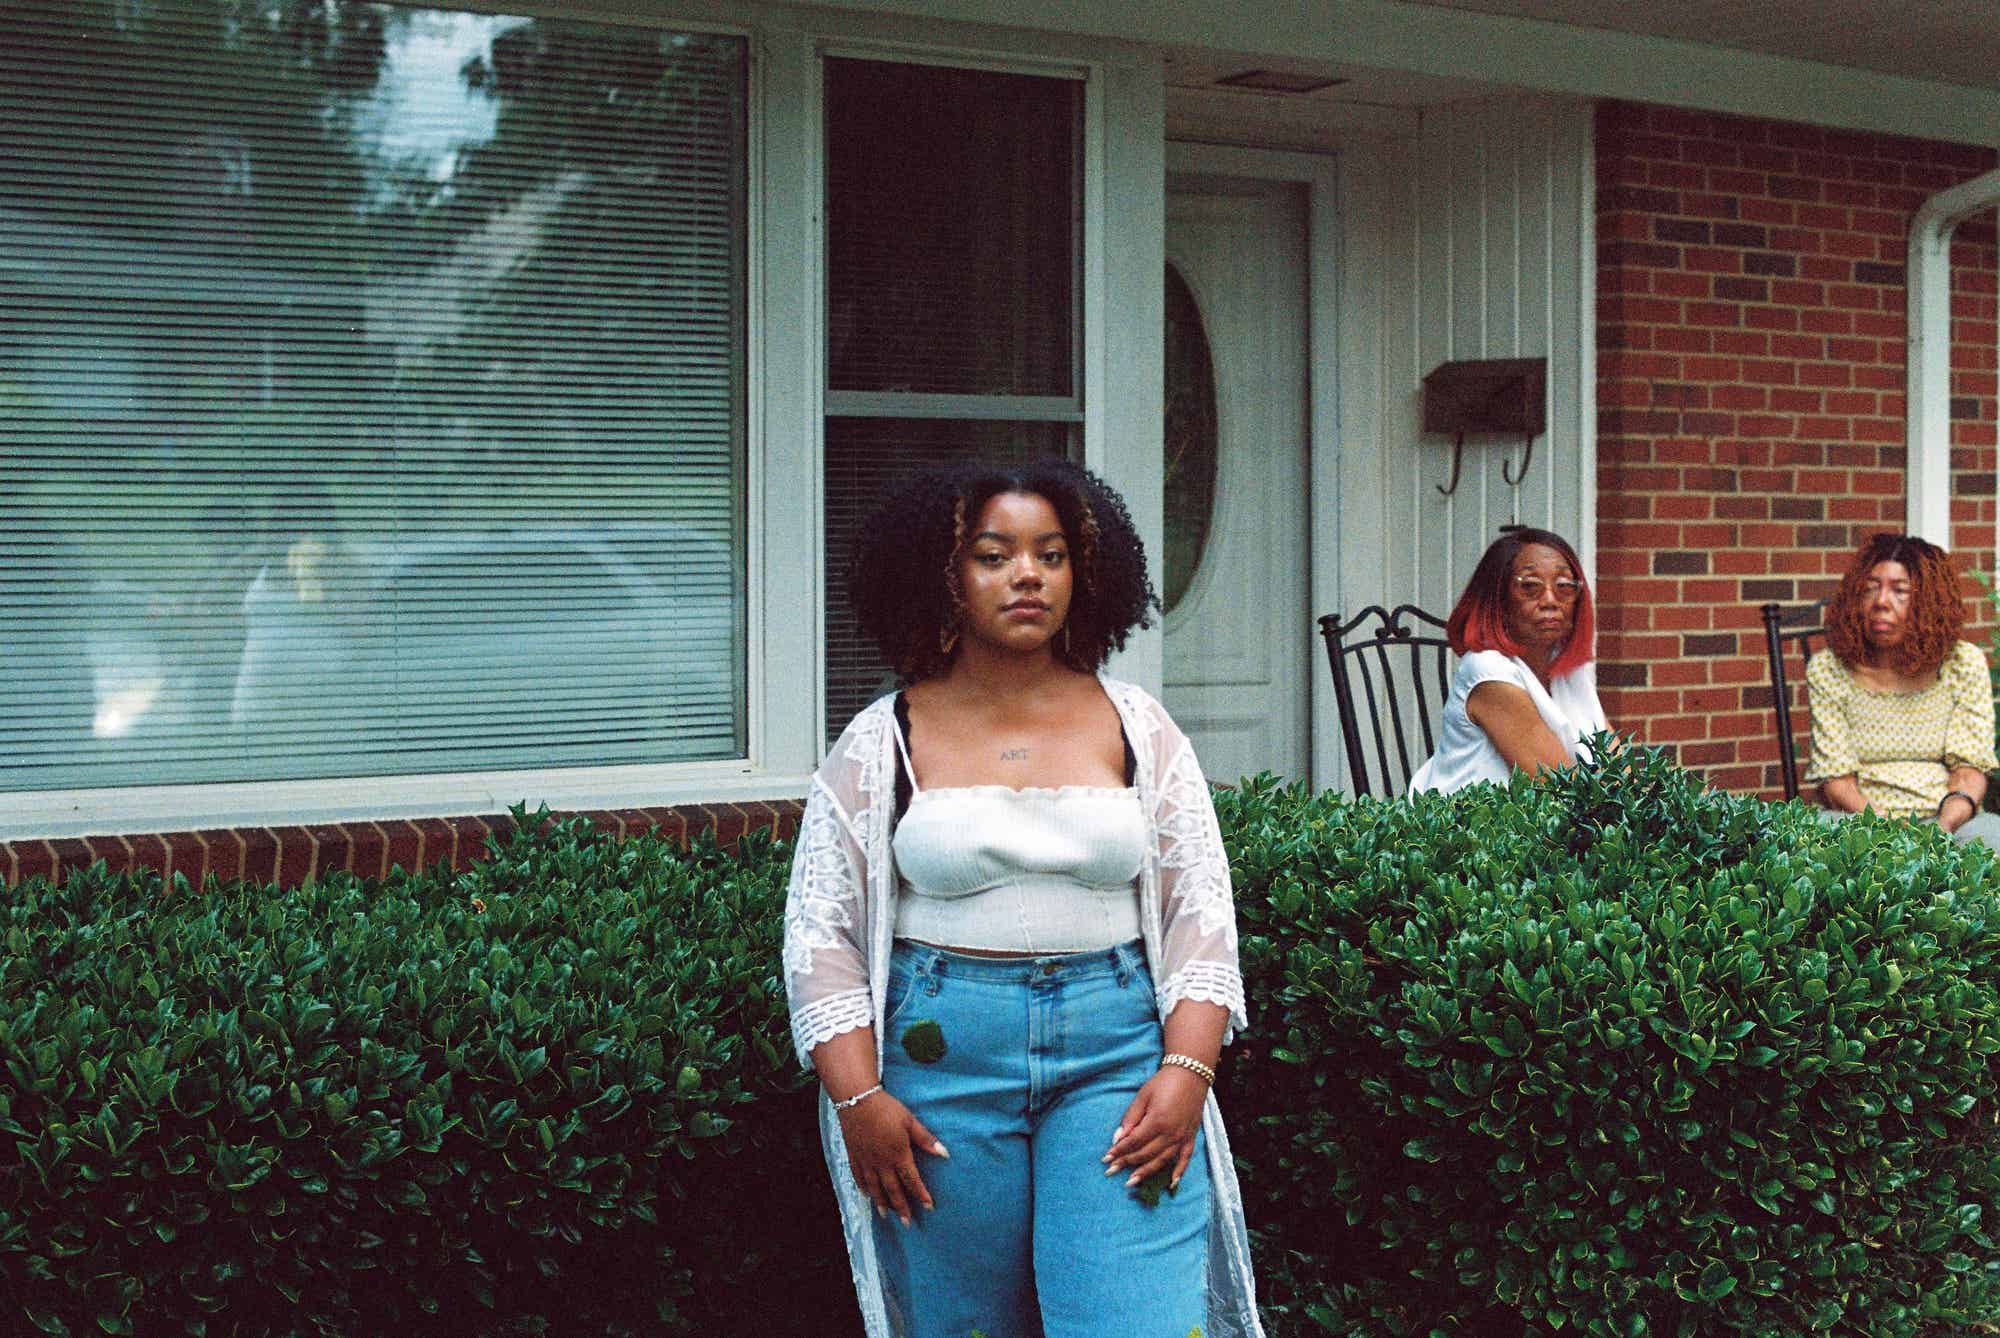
1937 605
903 582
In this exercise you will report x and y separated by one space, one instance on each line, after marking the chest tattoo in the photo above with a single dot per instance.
1013 754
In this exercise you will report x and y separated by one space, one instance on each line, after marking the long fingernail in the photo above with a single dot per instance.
1173 1185
905 1221
938 1149
1136 1177
880 1211
1117 1133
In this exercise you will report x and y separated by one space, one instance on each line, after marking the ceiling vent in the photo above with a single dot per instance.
1278 81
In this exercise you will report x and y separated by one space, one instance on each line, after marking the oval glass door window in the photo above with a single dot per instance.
1190 442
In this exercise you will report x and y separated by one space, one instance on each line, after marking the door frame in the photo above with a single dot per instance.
1319 176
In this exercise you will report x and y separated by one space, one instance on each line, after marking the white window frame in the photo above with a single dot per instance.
785 408
1065 410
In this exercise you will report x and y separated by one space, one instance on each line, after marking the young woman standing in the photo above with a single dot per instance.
1010 943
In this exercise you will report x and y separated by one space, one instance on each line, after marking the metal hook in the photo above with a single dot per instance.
1526 456
1457 458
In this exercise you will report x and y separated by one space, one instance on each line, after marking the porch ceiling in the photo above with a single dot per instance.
1953 42
1948 41
1929 68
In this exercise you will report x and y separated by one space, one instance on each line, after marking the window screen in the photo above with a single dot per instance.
374 392
952 310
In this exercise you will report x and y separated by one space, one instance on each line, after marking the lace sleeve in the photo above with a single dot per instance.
1197 907
826 971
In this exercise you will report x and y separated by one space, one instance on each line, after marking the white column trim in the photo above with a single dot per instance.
1586 365
1927 390
1124 314
786 492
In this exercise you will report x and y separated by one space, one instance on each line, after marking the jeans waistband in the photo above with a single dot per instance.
1122 961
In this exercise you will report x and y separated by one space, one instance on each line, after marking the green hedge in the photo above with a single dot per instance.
1610 1055
1616 1055
543 1096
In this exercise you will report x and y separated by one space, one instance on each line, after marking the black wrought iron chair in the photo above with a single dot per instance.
1399 670
1799 627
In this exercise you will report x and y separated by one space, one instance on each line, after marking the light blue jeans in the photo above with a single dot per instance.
1029 1238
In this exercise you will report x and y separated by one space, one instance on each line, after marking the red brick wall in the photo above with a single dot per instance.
290 856
1750 391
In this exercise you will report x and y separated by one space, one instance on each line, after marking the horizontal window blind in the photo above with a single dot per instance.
374 392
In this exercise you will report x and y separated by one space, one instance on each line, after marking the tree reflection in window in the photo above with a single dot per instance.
1190 441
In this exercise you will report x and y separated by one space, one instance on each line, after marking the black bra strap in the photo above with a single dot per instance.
903 746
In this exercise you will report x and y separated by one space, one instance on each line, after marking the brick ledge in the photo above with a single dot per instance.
290 856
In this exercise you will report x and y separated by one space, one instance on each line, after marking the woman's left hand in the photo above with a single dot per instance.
1159 1126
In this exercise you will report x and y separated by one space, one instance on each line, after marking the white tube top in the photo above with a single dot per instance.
1005 870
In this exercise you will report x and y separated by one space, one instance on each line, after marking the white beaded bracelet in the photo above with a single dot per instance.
855 1100
1192 1065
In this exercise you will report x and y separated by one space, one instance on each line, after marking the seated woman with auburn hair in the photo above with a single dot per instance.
1902 708
1525 692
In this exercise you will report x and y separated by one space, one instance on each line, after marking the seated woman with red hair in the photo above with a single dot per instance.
1902 708
1524 695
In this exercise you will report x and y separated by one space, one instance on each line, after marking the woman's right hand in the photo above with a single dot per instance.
883 1139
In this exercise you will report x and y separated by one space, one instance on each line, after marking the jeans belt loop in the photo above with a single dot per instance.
1122 957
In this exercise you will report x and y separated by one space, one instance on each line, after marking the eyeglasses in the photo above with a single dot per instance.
1534 587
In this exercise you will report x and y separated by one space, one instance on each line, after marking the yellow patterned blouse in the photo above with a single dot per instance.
1901 746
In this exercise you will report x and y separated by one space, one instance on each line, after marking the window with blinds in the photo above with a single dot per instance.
374 397
953 321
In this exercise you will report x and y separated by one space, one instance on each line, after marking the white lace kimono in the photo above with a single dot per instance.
840 914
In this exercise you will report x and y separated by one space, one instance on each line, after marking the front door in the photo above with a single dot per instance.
1234 575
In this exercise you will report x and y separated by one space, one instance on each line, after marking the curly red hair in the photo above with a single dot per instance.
1479 622
1937 605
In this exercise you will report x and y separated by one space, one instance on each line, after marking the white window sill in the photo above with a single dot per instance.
175 808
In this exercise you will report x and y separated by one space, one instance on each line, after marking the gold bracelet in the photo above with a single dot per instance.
1192 1065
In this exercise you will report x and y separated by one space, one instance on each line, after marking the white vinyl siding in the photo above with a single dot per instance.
1484 233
